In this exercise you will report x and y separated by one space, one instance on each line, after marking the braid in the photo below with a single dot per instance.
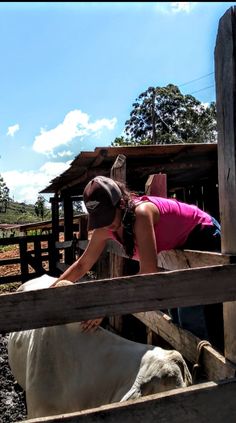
128 219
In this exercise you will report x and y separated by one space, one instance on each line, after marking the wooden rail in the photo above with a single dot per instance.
206 402
33 256
127 294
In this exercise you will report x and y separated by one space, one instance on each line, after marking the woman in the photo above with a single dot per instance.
144 225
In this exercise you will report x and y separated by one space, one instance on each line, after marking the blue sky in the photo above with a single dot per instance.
70 72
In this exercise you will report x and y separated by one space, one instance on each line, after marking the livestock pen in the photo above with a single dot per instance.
189 278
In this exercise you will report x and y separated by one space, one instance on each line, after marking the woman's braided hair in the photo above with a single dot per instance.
127 207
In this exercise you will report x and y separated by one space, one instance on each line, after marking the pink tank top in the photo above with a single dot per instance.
176 221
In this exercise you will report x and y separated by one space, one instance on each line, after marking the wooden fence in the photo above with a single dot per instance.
199 281
34 257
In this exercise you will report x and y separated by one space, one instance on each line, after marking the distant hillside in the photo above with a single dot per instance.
21 213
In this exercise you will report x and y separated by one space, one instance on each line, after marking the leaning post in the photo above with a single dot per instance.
118 172
156 185
225 77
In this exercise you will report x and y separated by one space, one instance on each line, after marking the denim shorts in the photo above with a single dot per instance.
205 237
200 320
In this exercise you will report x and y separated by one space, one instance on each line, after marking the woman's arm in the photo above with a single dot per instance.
84 263
147 216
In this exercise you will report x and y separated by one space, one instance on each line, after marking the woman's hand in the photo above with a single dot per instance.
90 325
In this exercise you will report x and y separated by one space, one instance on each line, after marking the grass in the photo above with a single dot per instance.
5 248
9 287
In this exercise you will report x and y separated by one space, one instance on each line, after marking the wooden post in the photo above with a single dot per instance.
118 173
155 185
225 76
54 254
55 217
68 227
83 234
211 198
83 227
23 259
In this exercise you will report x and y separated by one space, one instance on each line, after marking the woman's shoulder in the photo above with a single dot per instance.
146 209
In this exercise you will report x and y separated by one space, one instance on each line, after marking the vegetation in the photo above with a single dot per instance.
19 213
39 207
12 212
163 115
4 195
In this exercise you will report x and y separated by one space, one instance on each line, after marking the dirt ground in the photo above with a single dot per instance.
12 404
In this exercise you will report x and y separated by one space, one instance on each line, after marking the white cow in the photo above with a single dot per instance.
63 369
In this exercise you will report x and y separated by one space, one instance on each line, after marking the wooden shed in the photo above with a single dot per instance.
185 164
191 174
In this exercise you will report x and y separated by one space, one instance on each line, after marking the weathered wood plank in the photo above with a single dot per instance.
68 226
157 185
24 259
185 259
34 262
64 244
16 240
176 259
203 403
6 262
10 279
129 294
116 266
17 260
212 362
225 63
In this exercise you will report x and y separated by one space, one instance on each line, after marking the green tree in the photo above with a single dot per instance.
4 195
77 207
163 115
39 206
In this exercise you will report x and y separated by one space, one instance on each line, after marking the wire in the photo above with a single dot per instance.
202 89
197 79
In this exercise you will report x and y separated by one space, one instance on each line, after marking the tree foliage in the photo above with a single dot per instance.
40 207
163 115
4 195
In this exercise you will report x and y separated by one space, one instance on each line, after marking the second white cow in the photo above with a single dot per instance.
63 369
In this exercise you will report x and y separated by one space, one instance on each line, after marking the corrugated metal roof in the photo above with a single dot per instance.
182 163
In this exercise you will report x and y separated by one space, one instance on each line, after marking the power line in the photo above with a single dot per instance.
202 89
197 79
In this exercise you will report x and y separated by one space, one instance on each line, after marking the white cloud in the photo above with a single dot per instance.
75 124
176 6
13 129
25 186
65 153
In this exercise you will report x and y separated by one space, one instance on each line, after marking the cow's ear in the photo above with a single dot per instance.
63 282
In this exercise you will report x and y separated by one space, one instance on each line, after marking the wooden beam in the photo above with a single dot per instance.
206 402
225 63
212 363
156 185
176 259
68 227
185 259
128 294
116 265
